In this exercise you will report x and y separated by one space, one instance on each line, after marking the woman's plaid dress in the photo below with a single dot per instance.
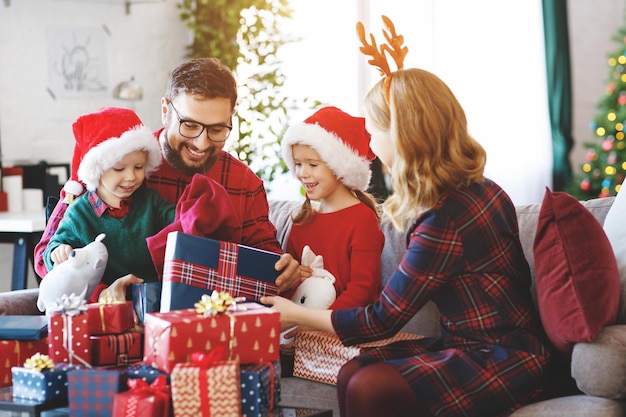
464 254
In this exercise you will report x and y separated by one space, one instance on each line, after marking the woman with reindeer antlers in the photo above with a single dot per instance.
463 252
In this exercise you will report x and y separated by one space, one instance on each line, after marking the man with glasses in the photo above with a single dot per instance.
196 113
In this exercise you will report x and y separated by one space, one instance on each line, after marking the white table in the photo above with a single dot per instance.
23 230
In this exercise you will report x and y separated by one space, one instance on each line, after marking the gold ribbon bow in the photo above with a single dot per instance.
106 299
218 302
39 362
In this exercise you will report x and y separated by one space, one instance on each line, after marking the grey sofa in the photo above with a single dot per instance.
599 368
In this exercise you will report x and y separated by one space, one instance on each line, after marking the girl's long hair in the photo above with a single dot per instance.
306 212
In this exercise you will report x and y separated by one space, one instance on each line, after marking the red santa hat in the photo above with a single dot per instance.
341 141
103 139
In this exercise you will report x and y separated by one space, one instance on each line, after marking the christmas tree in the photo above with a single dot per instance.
605 166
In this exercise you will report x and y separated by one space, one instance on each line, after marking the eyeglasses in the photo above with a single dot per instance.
191 129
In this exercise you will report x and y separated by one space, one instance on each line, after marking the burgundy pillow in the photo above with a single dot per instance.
577 278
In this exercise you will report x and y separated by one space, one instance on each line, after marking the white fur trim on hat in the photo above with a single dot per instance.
353 170
109 152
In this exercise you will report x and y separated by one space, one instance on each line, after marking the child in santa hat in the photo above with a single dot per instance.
329 154
113 154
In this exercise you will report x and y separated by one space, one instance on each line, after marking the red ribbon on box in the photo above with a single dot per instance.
205 361
138 390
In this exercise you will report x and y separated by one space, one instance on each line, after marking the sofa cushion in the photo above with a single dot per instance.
19 302
615 228
573 406
599 367
576 272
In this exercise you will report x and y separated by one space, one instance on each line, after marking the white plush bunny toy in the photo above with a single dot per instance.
317 291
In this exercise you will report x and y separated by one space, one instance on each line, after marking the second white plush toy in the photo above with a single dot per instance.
79 275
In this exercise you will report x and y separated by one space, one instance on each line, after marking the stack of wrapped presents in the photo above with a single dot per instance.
195 343
208 350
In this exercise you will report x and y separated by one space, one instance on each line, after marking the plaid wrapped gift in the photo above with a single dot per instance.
23 327
260 388
147 373
39 381
143 399
92 391
251 333
319 355
196 265
146 298
14 353
208 386
68 331
116 349
110 317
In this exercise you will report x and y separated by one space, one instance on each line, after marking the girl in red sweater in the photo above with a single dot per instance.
329 154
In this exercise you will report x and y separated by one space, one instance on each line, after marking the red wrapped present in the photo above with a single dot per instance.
116 349
143 399
207 386
110 317
319 355
250 333
68 331
14 353
196 265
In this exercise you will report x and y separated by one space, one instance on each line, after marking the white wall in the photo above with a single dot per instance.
146 43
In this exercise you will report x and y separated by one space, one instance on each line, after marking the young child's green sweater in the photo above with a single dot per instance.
125 238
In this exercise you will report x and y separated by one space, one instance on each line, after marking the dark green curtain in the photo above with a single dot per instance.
559 89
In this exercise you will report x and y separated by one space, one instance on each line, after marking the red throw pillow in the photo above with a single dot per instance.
578 284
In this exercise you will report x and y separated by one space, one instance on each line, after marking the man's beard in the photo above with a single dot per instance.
175 159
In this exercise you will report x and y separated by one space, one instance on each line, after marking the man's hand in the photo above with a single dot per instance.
117 290
61 253
291 273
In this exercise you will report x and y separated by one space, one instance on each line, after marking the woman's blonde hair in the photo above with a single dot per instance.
434 152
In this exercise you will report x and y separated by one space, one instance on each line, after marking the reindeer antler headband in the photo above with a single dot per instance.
393 47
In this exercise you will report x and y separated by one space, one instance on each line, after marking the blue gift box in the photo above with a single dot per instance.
47 385
147 373
92 390
260 388
195 266
146 298
23 327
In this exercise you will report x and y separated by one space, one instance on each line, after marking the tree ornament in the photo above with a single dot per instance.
585 185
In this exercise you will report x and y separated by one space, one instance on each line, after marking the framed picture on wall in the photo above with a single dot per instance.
77 61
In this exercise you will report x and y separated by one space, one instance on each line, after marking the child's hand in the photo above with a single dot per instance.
61 253
286 308
290 273
305 272
117 290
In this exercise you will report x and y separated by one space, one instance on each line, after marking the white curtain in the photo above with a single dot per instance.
490 53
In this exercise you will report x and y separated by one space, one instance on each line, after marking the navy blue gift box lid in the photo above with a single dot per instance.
23 327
